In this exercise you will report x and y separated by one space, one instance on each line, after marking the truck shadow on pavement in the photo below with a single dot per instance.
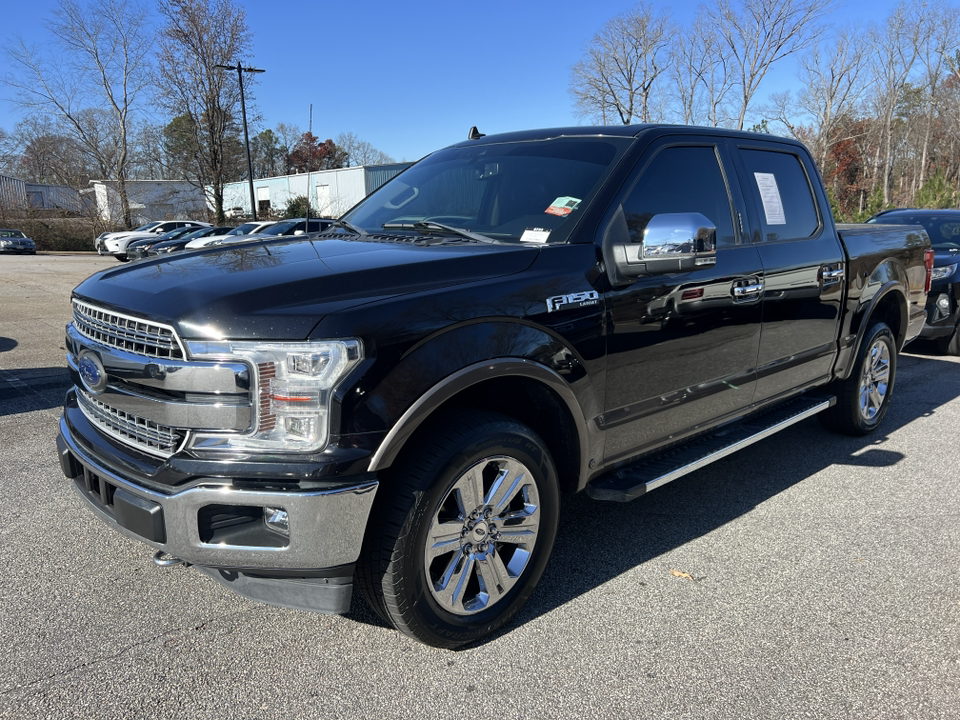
28 389
599 541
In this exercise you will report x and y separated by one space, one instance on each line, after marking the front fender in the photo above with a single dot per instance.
450 361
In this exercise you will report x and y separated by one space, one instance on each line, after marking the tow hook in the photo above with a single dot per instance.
166 560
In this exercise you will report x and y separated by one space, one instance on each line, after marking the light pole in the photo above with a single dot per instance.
246 140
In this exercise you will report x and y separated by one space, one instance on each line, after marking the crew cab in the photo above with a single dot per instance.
400 401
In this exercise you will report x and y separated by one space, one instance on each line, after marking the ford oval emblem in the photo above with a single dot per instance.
92 373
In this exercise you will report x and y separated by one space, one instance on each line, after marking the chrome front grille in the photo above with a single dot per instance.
127 333
139 432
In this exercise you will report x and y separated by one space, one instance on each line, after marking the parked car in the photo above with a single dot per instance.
943 302
250 228
183 242
295 226
115 243
138 248
14 241
235 212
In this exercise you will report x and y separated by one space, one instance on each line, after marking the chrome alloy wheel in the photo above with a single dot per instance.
482 535
874 382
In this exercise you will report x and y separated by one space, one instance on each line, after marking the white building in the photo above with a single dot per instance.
150 200
333 191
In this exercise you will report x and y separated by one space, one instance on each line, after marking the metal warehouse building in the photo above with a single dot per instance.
332 192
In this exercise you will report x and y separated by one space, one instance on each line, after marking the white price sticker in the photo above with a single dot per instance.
535 235
770 196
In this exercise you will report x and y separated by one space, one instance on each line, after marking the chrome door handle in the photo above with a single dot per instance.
831 276
744 290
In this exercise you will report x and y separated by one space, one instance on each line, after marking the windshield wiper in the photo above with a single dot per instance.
429 227
350 227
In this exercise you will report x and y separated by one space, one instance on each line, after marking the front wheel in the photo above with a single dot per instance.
462 534
864 397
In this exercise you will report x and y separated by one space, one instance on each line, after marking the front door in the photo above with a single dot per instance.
682 347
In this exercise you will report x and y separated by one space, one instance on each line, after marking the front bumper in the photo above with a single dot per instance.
219 528
942 311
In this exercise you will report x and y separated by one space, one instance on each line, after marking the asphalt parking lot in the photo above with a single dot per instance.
809 576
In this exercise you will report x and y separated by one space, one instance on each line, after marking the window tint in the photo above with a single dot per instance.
781 191
681 179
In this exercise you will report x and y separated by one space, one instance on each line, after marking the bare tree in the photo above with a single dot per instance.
361 152
832 83
700 67
761 32
90 77
896 47
615 81
198 36
944 28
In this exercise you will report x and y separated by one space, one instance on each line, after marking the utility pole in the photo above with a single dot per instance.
246 139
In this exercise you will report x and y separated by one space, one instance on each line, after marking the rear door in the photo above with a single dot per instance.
803 266
682 347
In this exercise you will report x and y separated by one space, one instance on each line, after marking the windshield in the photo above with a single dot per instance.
281 228
148 226
11 234
244 229
944 230
534 191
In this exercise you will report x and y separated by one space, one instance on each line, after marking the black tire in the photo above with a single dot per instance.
950 345
430 495
864 397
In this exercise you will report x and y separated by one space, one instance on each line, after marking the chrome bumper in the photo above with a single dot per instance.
326 526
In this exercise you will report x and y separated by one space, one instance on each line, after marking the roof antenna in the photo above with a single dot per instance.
474 134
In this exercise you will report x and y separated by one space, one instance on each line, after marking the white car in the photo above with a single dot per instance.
250 228
115 243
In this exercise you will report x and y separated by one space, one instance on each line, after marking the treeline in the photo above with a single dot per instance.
878 103
112 95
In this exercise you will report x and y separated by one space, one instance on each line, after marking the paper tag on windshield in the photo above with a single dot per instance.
535 235
563 206
770 196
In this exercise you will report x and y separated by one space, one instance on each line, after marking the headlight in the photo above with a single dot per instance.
939 273
292 390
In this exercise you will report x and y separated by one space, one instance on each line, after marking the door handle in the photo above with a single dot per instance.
745 291
831 276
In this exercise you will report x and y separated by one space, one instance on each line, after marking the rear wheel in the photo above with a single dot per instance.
462 533
864 397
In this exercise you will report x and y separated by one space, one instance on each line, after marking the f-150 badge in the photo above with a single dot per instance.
574 300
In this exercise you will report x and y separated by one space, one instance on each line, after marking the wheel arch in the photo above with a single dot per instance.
522 389
888 304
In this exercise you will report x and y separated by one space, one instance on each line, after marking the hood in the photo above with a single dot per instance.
280 289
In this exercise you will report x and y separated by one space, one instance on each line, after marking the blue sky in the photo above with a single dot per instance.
412 77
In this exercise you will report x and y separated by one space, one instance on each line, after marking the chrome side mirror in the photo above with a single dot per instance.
665 243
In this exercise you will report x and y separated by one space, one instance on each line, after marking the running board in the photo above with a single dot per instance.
632 481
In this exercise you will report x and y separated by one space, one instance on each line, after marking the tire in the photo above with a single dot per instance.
122 258
950 345
864 397
460 536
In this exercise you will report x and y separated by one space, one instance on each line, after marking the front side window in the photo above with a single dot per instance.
681 180
782 194
514 191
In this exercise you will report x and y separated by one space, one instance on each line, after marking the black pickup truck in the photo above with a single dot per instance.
401 400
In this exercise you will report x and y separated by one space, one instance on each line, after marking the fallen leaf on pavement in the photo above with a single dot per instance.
677 573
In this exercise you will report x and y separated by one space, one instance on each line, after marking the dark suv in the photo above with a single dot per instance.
943 301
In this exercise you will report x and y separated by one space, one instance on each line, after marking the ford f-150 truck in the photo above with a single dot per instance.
401 401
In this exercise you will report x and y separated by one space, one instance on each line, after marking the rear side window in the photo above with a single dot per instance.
782 194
